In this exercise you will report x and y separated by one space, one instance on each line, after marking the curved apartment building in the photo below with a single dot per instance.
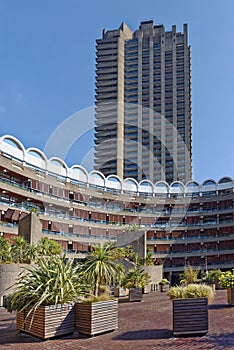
190 223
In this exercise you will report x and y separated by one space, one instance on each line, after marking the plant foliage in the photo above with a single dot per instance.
190 275
226 279
101 267
54 280
135 278
192 290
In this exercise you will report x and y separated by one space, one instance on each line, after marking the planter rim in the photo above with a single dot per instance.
190 298
95 302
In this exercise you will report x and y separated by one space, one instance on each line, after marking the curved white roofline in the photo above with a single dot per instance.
177 182
39 152
114 176
98 173
80 167
161 182
211 180
192 182
15 141
223 178
60 161
147 181
14 152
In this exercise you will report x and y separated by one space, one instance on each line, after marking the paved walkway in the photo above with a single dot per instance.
143 325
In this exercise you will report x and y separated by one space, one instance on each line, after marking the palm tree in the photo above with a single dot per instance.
5 250
135 278
31 252
49 247
19 249
148 260
101 266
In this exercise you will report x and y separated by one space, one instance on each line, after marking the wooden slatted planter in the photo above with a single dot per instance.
135 294
96 317
230 296
190 316
119 292
48 321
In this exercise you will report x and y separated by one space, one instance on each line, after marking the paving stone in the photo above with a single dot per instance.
145 325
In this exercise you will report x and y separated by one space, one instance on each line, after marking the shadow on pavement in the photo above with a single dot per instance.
145 334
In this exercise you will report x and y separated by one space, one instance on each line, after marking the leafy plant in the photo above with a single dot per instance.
226 279
52 281
135 278
164 281
101 267
190 275
49 247
5 250
148 260
192 290
131 228
23 252
211 276
18 249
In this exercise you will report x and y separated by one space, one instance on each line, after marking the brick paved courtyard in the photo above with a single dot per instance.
142 325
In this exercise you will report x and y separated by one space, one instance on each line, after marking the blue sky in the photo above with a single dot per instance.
47 69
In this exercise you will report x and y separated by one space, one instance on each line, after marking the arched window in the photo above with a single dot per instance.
12 141
209 183
225 180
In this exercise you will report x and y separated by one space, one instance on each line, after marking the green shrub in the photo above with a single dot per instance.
136 278
226 279
190 275
164 281
192 290
52 281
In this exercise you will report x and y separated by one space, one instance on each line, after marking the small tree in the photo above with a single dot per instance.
5 250
148 260
49 247
190 275
101 266
135 278
18 250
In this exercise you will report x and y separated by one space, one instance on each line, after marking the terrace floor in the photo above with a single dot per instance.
142 325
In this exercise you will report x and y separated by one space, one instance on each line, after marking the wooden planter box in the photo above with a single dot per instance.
190 316
135 294
230 296
47 321
97 317
119 292
164 287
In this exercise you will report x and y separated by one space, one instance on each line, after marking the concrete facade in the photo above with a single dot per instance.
9 274
30 228
183 224
143 103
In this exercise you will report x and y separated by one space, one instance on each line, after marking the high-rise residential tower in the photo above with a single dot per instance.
143 103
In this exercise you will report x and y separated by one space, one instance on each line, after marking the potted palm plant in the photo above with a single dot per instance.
99 312
135 280
226 280
190 308
44 297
